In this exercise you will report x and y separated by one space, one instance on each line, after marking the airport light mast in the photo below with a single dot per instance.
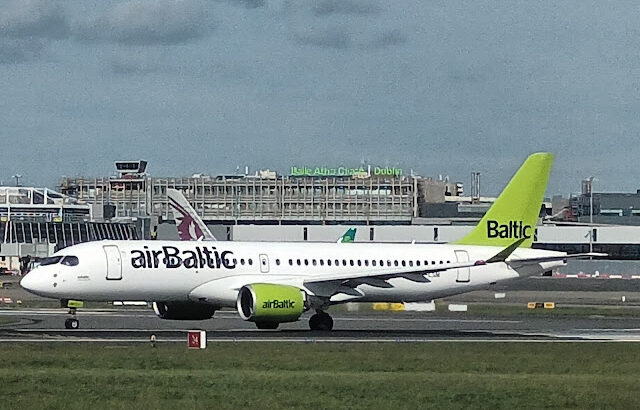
591 179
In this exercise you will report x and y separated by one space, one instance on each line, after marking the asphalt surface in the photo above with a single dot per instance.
137 326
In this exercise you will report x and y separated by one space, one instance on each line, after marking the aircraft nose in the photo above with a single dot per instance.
36 282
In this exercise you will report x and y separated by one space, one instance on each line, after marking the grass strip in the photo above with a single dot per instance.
276 375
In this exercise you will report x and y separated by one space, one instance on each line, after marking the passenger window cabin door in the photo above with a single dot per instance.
114 262
264 263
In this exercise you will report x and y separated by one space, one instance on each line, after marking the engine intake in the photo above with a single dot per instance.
183 310
265 302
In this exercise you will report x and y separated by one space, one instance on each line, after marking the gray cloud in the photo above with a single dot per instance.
360 7
250 4
33 18
339 24
332 37
132 68
146 22
389 38
340 37
19 50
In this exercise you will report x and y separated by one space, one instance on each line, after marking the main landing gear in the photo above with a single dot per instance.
321 321
72 322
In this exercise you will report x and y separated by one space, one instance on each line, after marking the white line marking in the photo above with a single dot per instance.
424 320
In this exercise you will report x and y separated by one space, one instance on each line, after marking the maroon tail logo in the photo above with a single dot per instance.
188 229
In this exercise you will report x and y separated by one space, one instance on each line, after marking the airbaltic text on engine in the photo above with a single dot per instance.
279 304
172 257
512 229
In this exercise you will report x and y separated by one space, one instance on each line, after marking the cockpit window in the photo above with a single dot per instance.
52 260
70 260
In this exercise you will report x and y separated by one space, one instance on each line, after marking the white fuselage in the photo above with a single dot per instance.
213 272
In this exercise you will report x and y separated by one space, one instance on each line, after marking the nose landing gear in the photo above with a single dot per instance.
72 322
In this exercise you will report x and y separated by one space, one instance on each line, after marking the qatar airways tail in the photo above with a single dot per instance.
190 226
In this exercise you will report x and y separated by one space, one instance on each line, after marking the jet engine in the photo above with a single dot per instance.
183 310
268 304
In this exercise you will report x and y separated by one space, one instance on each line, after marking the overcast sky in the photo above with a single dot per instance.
441 87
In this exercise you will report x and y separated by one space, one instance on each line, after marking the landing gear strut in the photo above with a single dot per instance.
321 321
72 322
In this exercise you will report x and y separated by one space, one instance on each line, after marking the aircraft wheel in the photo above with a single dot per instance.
72 323
321 321
267 325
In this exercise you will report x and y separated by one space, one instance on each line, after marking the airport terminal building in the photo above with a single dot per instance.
322 196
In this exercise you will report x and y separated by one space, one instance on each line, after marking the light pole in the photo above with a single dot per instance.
17 177
591 179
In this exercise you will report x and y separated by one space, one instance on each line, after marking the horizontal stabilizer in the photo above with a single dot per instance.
558 258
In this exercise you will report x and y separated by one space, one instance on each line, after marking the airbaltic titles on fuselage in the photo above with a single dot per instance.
171 257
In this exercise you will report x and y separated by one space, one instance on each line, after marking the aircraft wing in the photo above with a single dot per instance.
329 284
320 285
388 272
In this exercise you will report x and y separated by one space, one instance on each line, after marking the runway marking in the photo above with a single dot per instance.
344 319
80 312
59 330
608 330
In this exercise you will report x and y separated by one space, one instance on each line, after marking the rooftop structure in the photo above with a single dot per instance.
29 204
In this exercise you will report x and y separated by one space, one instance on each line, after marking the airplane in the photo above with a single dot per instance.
270 283
192 228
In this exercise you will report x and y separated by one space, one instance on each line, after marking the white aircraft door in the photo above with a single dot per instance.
114 262
464 274
264 263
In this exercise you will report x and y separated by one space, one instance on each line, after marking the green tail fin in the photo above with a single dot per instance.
348 236
514 214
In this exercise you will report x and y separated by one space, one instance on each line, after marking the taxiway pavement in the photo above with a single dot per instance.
137 326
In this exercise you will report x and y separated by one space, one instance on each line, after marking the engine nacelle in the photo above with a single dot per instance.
269 303
183 310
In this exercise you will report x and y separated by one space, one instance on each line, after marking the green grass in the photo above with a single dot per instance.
309 376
